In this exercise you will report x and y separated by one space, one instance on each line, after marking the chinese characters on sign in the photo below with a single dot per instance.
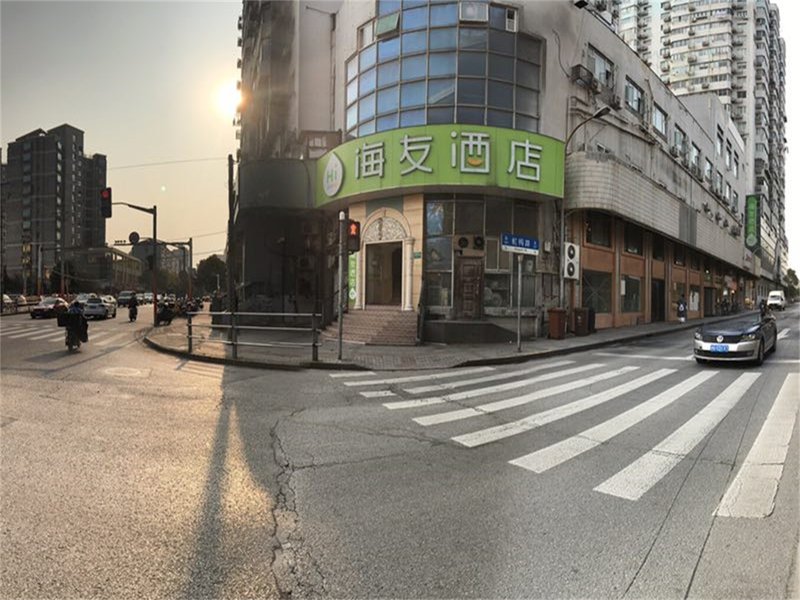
519 244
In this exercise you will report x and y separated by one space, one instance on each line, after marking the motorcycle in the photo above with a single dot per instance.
133 311
72 339
165 314
76 329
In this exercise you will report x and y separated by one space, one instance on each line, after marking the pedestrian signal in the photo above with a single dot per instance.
353 236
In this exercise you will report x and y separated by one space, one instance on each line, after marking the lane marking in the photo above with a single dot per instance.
488 390
620 355
445 375
32 332
637 478
48 336
752 492
499 432
352 374
784 361
558 453
497 377
378 394
784 333
16 328
457 415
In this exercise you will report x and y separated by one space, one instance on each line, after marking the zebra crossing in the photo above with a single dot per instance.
50 332
203 369
459 402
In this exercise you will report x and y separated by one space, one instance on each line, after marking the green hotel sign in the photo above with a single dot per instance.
457 155
752 222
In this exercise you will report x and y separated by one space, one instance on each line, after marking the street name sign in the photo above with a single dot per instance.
519 244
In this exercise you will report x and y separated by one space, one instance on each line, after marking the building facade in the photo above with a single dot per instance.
450 130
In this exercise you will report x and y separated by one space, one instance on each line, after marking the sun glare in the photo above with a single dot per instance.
228 99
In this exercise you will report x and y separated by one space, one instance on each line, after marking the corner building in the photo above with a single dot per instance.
441 126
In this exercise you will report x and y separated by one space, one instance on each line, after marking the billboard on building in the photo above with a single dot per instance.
752 222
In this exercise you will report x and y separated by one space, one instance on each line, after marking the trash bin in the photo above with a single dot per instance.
581 321
558 323
590 320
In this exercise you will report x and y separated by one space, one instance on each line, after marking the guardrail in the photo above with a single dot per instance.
234 328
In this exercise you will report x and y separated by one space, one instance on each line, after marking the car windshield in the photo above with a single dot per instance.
49 301
94 301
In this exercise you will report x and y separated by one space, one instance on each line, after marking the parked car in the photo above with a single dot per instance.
745 339
147 297
49 307
124 297
19 300
776 300
8 304
99 308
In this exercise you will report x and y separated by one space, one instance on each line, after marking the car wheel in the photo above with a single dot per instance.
760 355
774 345
699 360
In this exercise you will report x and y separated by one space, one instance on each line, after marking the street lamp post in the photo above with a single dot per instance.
601 112
151 211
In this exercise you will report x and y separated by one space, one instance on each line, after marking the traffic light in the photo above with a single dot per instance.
353 236
105 202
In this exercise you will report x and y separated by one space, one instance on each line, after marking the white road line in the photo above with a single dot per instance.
378 394
656 356
32 332
489 390
637 478
113 338
16 328
445 375
552 456
784 362
784 333
499 432
491 407
477 380
53 333
752 492
352 374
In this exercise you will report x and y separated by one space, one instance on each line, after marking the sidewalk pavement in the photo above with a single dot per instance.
172 339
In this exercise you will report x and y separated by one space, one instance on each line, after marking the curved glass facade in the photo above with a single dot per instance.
443 62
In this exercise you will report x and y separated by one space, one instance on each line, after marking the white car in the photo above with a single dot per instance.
776 299
99 308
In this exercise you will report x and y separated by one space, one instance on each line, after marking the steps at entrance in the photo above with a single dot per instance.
378 326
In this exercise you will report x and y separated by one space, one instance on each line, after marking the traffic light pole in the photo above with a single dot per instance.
342 293
151 211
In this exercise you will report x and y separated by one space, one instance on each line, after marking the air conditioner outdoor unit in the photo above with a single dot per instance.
582 75
674 150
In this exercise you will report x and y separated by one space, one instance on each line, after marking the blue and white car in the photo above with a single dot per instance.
746 339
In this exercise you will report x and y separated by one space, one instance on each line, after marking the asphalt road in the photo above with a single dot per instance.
626 472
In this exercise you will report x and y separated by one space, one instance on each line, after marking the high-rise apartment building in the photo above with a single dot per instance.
733 49
51 194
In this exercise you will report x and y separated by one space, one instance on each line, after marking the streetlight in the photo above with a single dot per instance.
601 112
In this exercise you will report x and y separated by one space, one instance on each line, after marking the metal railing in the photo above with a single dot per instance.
234 328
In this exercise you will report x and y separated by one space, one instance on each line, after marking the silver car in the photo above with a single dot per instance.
99 308
745 339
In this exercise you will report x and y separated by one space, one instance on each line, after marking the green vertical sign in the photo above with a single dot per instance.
752 222
352 272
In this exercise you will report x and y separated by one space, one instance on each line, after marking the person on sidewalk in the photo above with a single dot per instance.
682 309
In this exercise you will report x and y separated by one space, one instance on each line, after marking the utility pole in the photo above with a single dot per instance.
229 258
342 293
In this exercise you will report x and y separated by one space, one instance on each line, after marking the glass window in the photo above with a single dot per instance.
497 286
388 100
438 253
387 122
527 101
438 288
501 95
634 97
415 42
416 18
708 170
443 39
728 155
719 142
660 120
658 247
695 155
679 139
352 68
471 116
352 116
501 41
440 115
501 67
469 218
366 35
471 91
633 239
472 64
389 73
366 108
601 67
441 91
596 291
631 294
529 49
444 14
412 117
527 74
526 123
412 94
367 57
387 24
388 49
439 218
500 118
525 218
352 91
367 128
735 202
388 6
414 67
679 255
736 165
366 83
598 229
498 216
497 17
472 39
442 63
474 11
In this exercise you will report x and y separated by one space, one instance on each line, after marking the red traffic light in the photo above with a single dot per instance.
105 202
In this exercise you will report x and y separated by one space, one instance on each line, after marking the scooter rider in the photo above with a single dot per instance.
78 323
133 309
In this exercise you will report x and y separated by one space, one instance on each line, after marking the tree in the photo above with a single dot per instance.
207 271
792 284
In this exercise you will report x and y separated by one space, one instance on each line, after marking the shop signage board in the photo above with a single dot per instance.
444 155
752 222
352 275
520 244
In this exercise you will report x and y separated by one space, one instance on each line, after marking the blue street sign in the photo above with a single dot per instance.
519 243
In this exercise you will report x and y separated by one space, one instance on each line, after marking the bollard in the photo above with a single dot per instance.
189 326
314 349
234 336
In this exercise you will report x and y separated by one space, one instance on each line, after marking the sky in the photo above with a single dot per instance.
152 82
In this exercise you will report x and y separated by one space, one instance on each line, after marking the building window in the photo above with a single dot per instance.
601 67
660 120
720 142
631 294
708 170
728 153
598 229
679 139
679 255
736 165
727 195
634 97
633 239
718 182
596 291
365 35
695 156
735 203
658 247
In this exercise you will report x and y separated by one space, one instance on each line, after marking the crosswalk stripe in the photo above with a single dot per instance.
478 380
637 478
30 332
378 394
14 329
488 390
113 338
445 375
752 492
784 333
499 432
352 374
556 454
491 407
621 355
54 335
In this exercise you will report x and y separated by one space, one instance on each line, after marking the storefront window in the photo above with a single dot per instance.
439 218
633 239
597 291
438 253
658 247
631 294
679 257
598 229
498 216
469 218
438 289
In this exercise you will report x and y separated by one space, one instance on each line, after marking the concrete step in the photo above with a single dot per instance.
379 326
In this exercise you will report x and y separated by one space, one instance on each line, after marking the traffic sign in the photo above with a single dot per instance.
519 243
133 238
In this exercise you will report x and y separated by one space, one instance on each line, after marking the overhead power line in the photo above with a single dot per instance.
167 162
